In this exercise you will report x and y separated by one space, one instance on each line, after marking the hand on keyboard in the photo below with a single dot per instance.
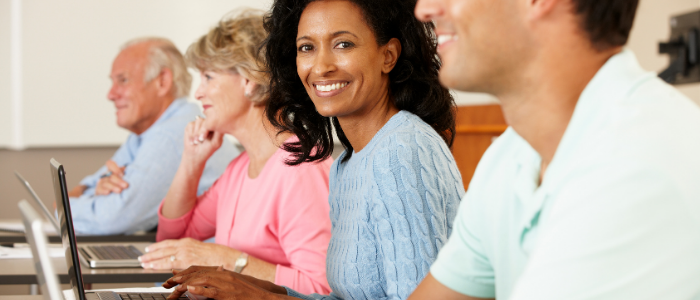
217 283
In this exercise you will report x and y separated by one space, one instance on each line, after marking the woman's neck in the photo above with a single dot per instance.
359 129
259 138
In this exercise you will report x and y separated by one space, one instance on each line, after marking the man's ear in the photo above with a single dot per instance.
538 9
164 82
392 51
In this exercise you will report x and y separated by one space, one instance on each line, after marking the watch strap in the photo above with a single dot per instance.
241 262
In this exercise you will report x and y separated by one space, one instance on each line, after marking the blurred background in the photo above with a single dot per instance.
55 57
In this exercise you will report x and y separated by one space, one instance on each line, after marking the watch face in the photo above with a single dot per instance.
241 262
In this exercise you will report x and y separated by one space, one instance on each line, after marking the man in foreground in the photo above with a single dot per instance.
592 193
150 84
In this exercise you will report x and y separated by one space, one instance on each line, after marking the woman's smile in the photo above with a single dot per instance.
329 88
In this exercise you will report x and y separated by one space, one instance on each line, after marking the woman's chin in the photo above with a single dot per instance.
328 110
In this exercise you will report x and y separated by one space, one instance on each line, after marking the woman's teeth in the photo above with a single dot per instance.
443 38
331 87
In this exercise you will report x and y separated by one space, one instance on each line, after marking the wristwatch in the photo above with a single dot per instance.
241 262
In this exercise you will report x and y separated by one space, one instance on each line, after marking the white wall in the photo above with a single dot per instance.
651 27
68 47
5 97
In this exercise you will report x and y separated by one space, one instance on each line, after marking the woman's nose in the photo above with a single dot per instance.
324 63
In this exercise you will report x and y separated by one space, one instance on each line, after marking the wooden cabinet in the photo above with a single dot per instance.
477 126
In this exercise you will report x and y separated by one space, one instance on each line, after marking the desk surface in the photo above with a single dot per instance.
22 297
149 237
21 271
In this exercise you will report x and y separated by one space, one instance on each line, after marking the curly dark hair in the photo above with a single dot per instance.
414 85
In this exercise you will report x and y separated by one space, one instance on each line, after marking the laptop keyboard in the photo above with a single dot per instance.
115 252
125 296
147 296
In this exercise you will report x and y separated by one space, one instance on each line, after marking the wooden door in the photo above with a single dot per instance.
477 126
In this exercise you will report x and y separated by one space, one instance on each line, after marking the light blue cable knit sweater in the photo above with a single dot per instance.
392 207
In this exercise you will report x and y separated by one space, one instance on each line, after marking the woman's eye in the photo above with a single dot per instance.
343 45
304 48
207 76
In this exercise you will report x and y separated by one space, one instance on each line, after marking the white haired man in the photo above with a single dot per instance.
150 84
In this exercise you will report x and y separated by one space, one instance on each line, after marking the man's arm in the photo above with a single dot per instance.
430 289
120 158
135 208
77 191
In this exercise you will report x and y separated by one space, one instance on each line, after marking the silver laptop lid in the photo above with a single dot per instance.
49 216
45 272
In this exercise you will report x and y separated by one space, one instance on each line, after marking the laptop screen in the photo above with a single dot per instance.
38 202
67 234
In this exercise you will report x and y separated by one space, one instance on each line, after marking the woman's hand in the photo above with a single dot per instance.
200 143
217 283
182 253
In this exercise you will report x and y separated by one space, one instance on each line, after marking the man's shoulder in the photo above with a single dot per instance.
654 125
174 125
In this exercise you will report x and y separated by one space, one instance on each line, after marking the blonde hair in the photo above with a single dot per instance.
234 45
162 54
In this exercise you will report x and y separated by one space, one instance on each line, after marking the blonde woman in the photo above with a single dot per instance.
270 220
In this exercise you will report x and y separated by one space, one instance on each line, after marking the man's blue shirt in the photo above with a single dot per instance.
151 160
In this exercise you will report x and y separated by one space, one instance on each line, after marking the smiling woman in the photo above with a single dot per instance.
368 69
362 55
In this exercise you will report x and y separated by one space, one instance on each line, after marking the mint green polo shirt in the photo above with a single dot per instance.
617 215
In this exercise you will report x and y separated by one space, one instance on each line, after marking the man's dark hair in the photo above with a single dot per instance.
607 22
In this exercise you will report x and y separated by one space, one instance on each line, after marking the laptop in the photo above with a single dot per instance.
49 216
33 229
94 255
47 276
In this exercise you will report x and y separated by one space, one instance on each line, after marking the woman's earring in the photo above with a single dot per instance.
246 94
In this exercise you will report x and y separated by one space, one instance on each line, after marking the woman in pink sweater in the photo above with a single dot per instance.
270 220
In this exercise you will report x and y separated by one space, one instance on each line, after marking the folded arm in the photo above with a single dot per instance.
135 208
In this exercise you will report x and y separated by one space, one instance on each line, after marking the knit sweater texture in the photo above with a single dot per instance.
391 206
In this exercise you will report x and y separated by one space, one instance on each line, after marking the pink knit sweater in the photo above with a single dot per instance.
281 217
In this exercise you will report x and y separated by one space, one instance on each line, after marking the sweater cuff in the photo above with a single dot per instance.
171 228
293 293
286 276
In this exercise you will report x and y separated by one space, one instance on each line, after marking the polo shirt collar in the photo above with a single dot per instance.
611 83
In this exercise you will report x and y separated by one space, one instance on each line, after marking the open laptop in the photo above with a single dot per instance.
33 229
94 255
49 216
47 276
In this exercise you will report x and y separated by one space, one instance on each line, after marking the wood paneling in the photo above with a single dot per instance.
476 128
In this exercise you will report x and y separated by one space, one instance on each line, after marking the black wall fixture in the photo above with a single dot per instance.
684 49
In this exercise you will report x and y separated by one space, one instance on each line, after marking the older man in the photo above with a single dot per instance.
593 192
150 84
